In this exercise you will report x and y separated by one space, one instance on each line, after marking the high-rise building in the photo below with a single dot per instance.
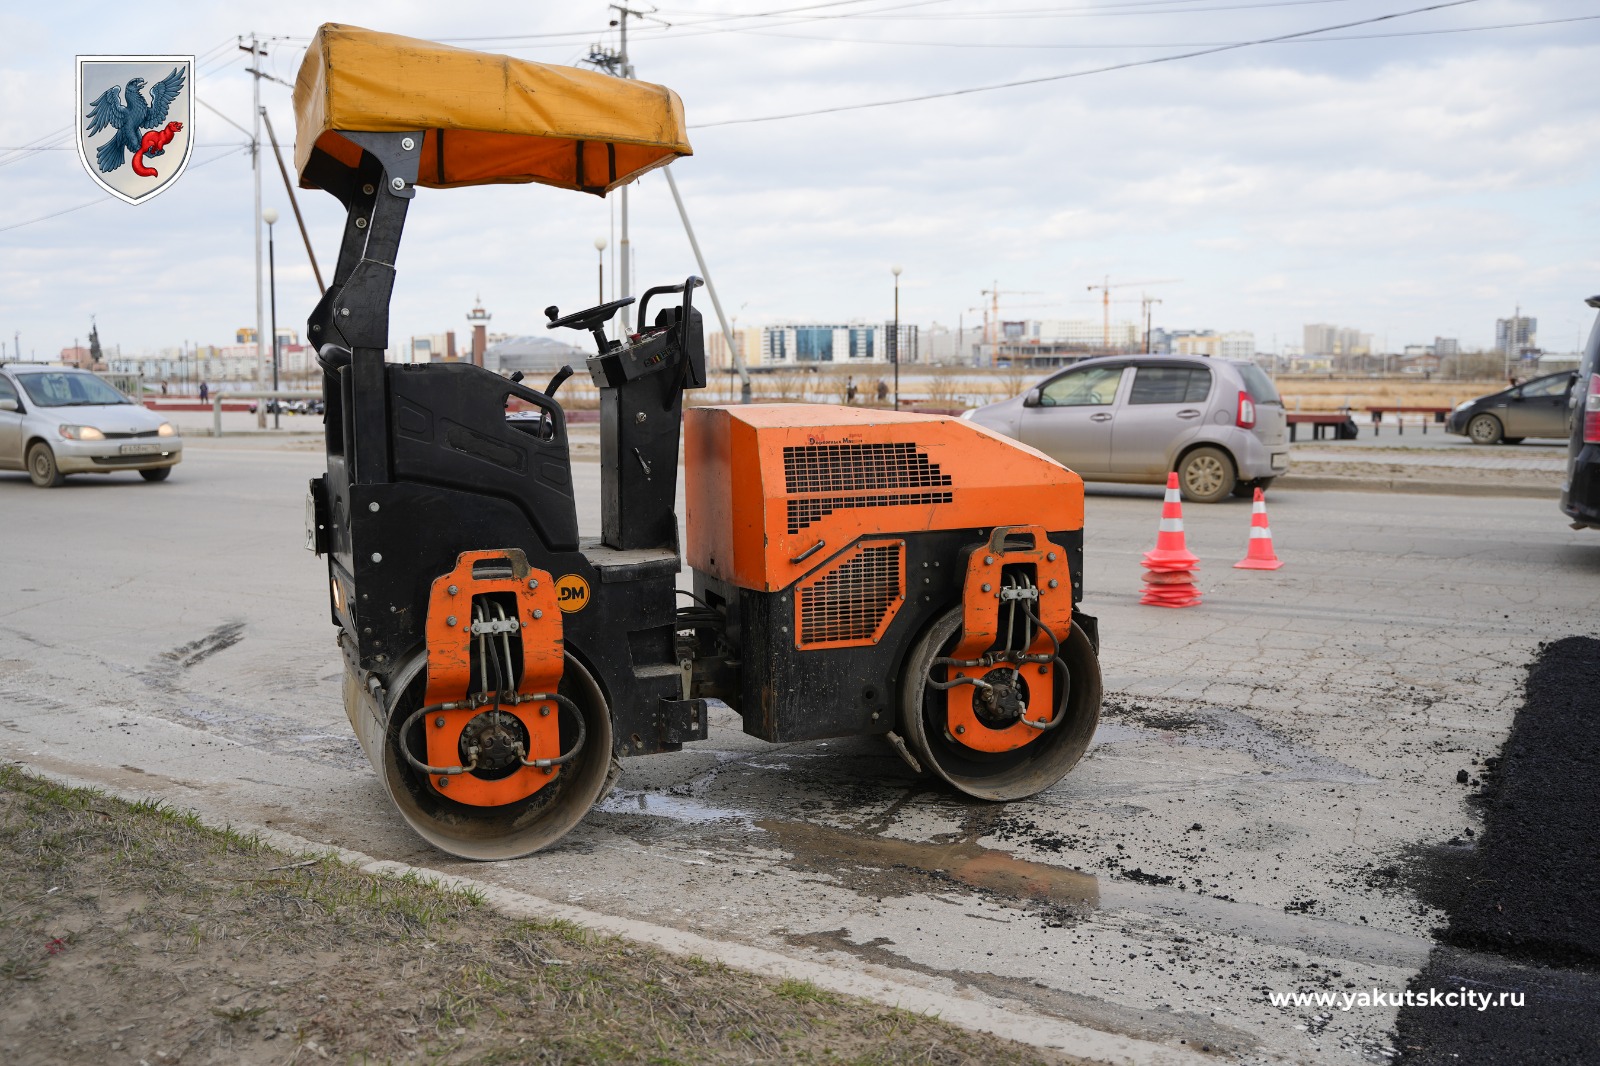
1445 347
1324 339
747 340
854 342
1516 335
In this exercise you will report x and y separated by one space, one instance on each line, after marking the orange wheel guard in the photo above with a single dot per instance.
1011 590
493 738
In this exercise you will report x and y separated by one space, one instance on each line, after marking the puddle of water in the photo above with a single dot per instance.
884 866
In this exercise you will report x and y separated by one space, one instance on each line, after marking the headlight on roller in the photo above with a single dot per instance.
81 433
167 430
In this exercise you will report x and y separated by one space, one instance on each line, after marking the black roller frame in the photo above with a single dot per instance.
423 464
787 694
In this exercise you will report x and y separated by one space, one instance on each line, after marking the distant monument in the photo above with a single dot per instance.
97 359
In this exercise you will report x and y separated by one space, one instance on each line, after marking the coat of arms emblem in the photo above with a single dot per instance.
134 119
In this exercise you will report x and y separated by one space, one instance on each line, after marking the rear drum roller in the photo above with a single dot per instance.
1006 775
515 829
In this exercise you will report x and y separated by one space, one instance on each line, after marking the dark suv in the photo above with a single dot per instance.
1580 496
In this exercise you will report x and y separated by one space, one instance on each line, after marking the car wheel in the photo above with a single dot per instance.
1484 429
1206 475
42 467
158 474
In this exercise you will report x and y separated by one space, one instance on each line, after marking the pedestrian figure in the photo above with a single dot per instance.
883 390
163 388
850 389
205 391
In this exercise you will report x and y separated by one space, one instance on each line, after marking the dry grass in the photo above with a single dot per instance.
1320 394
132 932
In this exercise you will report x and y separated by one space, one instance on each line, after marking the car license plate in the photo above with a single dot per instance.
140 449
1280 460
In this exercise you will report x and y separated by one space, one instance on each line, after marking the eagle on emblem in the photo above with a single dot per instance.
130 116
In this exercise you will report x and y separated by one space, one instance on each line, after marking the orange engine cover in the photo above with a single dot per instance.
773 489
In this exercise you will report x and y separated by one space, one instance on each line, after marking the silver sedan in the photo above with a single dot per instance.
56 421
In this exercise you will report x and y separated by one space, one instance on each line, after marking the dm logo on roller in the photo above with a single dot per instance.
135 114
572 593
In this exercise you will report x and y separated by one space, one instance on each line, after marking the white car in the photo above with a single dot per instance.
58 420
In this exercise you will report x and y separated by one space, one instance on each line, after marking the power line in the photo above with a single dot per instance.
1084 73
1163 44
103 199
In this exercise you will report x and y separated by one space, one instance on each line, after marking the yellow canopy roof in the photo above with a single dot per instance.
487 119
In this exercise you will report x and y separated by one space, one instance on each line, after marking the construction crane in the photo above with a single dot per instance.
1105 287
993 342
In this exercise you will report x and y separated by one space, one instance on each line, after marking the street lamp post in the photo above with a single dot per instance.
894 343
270 217
600 254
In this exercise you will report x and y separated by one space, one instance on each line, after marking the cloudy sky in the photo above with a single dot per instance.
1412 177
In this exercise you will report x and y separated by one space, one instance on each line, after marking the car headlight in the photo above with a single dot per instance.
81 433
167 430
966 416
1464 404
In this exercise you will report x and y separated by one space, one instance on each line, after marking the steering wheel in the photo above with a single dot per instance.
589 318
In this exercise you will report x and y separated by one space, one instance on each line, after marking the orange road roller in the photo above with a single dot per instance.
852 571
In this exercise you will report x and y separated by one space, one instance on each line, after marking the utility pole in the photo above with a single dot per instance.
894 342
1147 301
256 51
618 64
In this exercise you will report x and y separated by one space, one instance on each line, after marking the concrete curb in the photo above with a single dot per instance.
1416 488
966 1010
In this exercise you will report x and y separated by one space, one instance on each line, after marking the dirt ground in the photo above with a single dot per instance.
130 933
1318 393
1407 474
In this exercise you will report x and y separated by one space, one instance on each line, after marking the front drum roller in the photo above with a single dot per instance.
924 717
516 829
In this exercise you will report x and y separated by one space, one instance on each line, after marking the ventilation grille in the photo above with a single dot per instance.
851 602
858 467
803 512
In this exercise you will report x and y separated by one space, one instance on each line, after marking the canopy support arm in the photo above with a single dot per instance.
354 312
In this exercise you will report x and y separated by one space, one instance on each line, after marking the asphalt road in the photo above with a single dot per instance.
1271 770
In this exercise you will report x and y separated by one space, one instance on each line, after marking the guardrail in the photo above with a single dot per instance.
261 411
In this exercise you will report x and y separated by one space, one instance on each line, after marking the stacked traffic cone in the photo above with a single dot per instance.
1169 569
1260 556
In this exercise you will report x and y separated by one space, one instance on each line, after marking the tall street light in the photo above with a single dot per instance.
270 217
894 343
600 251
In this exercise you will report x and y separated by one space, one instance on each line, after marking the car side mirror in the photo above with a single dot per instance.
1031 398
9 405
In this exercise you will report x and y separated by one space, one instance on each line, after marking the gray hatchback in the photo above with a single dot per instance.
1218 422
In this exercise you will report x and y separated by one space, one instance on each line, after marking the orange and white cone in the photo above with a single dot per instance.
1169 576
1170 552
1260 556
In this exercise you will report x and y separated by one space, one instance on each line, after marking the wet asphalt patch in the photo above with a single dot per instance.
1524 899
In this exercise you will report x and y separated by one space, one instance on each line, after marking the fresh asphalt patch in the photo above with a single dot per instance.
1524 903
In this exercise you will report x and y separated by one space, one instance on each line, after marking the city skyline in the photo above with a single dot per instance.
1414 185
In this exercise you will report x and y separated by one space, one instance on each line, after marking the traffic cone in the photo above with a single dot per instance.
1260 556
1170 553
1169 568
